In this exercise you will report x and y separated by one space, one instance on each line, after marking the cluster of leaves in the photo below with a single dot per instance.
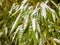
24 24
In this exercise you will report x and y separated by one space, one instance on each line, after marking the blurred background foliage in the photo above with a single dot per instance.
29 22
